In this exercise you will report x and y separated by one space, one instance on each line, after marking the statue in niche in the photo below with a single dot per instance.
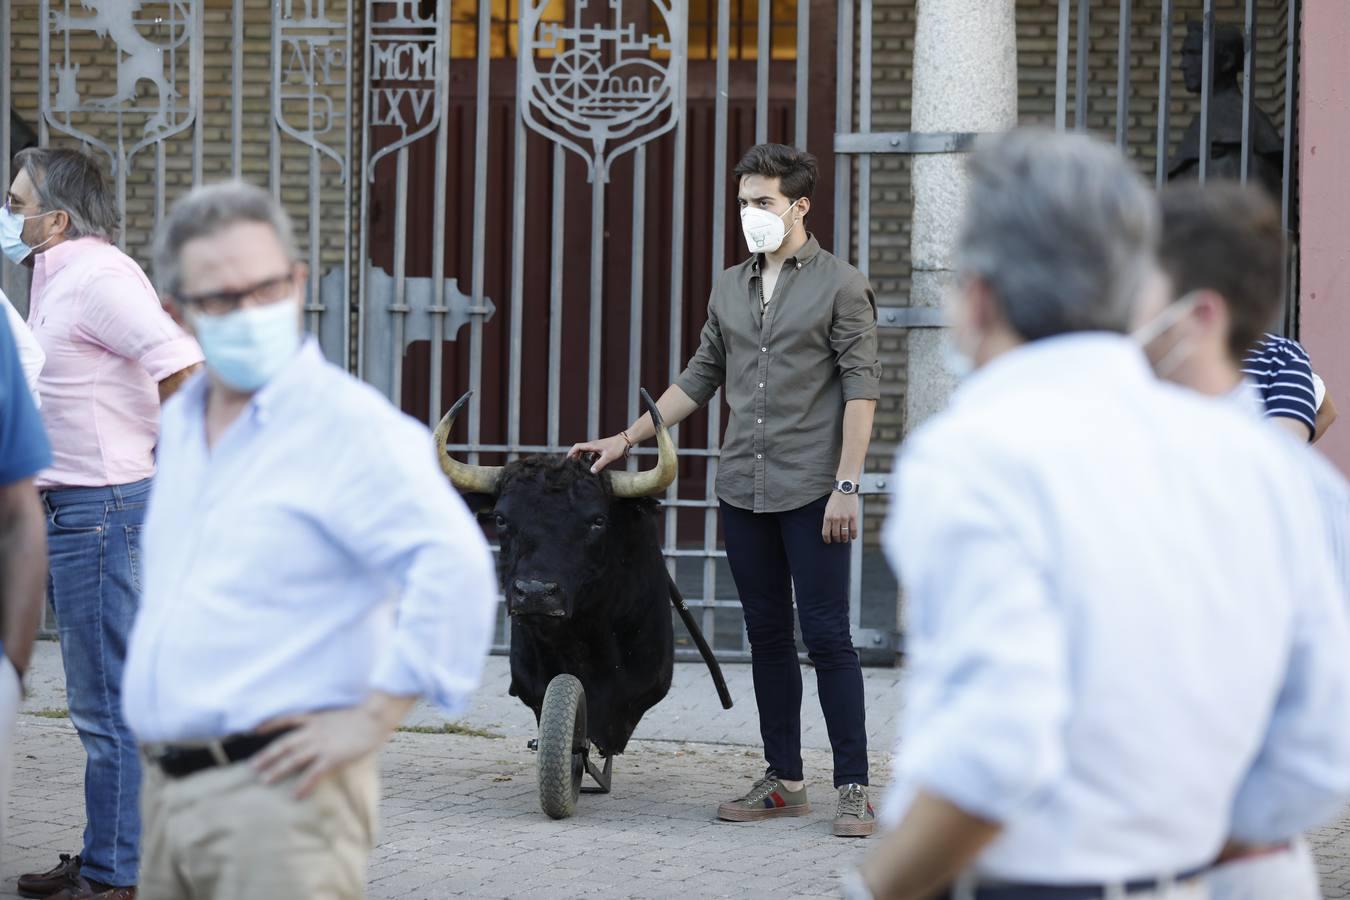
21 137
1225 116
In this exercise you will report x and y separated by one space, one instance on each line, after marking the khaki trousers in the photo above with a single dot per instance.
10 699
222 834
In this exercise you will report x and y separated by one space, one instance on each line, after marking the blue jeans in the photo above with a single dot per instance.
93 539
769 555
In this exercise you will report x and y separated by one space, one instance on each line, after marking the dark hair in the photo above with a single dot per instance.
1226 238
795 169
73 182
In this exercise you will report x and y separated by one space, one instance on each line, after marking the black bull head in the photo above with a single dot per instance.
560 527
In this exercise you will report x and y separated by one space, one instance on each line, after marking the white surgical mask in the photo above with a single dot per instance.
764 231
248 347
11 235
1148 334
956 360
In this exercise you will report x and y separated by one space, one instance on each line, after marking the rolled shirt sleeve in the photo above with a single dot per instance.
401 517
707 369
124 316
853 336
988 692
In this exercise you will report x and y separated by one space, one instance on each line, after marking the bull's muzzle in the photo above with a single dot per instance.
535 598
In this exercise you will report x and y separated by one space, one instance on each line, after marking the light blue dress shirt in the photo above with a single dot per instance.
315 554
1126 640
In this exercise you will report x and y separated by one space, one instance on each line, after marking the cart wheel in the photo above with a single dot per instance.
562 746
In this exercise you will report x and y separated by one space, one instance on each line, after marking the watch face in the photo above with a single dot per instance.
846 487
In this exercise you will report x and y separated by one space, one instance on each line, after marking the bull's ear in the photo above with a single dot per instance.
480 504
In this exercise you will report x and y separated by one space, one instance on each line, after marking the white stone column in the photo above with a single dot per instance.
965 80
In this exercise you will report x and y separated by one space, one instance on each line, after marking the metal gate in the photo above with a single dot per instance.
529 198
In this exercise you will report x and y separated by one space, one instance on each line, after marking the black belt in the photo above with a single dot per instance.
178 762
1072 891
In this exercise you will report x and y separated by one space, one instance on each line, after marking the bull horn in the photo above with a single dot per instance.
468 479
655 480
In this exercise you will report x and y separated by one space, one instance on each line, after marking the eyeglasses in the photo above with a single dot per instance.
273 290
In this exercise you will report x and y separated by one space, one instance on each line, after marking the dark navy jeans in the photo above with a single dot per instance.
769 553
93 539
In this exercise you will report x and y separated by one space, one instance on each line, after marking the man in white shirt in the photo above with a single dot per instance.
1223 258
308 573
31 354
1112 671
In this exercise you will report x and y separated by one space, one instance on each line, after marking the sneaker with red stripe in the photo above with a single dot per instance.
766 799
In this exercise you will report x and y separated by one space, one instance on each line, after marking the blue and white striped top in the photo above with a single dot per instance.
1282 372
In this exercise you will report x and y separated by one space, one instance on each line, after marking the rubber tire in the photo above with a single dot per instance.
562 738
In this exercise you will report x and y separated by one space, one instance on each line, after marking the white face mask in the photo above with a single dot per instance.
764 231
1148 334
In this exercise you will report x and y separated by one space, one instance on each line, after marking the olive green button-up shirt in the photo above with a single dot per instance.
789 368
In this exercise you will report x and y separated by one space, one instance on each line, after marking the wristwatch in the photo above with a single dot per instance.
846 486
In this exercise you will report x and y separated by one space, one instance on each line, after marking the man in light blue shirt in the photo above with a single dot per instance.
1126 638
308 573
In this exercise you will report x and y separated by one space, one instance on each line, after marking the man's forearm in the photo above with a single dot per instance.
675 406
857 436
170 385
23 569
934 843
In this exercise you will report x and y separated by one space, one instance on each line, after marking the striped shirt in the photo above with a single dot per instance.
1283 374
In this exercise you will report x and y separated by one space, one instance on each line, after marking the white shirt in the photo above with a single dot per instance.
31 355
1126 641
1333 494
273 563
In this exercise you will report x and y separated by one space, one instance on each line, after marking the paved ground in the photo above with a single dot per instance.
461 814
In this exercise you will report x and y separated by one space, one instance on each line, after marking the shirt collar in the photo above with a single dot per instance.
272 396
803 256
1087 355
48 262
291 380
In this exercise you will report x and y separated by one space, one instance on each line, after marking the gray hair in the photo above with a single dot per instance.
1061 228
209 210
72 182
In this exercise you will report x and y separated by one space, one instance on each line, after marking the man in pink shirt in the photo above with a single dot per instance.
113 355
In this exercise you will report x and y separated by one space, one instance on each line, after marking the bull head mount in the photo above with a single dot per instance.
484 479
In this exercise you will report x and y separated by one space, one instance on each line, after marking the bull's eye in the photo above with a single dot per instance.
599 522
502 524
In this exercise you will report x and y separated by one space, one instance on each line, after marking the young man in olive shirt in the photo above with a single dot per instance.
791 335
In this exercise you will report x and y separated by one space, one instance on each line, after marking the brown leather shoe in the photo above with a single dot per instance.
44 884
94 890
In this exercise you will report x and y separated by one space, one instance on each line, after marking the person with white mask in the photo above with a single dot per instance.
112 357
1222 257
791 335
1126 638
309 573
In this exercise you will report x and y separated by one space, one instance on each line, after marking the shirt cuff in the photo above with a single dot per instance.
171 357
396 674
699 390
861 386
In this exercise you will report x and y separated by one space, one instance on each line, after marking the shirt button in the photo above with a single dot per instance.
759 456
761 384
760 421
763 349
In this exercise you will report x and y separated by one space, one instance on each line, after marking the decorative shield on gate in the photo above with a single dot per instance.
601 89
310 62
404 55
147 88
